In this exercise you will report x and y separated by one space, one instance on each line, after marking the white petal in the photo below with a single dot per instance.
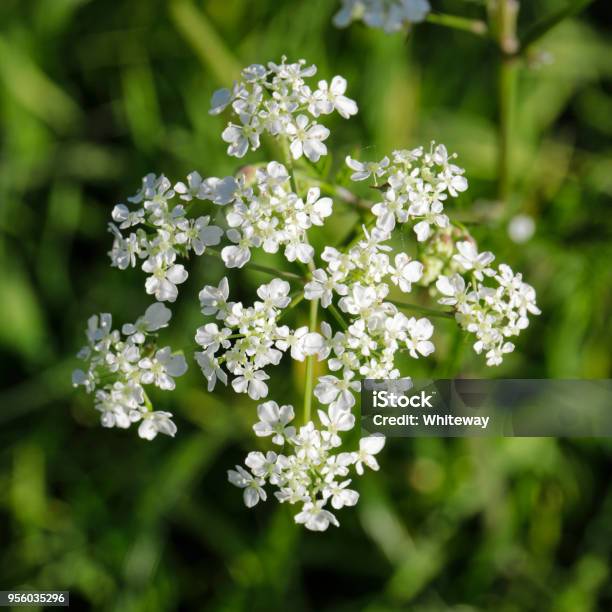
220 99
157 316
177 274
372 444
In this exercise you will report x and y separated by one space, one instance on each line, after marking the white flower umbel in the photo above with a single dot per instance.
361 279
311 471
277 99
272 216
389 15
416 185
164 229
250 338
272 207
492 312
120 365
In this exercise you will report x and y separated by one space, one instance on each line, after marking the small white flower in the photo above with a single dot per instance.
126 218
314 517
301 251
213 300
156 317
275 294
274 177
99 329
368 447
201 235
470 259
322 287
452 176
161 369
406 272
190 190
307 139
453 288
364 170
330 97
238 255
211 368
419 333
79 377
252 485
124 252
524 300
240 137
123 358
164 278
113 414
495 355
341 495
210 337
304 343
154 189
316 207
334 420
250 381
340 392
390 210
263 466
156 422
218 191
359 299
423 228
273 421
309 444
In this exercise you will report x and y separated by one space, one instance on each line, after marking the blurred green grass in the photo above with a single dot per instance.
95 94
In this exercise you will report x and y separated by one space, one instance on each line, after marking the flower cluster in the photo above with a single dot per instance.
258 339
362 278
276 99
493 314
313 473
119 364
163 230
416 184
271 216
389 15
272 209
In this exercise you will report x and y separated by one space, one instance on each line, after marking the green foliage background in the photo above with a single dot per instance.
93 95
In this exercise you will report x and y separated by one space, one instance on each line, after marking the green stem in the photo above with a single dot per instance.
474 26
506 93
289 164
506 18
147 401
314 306
297 299
338 316
265 269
